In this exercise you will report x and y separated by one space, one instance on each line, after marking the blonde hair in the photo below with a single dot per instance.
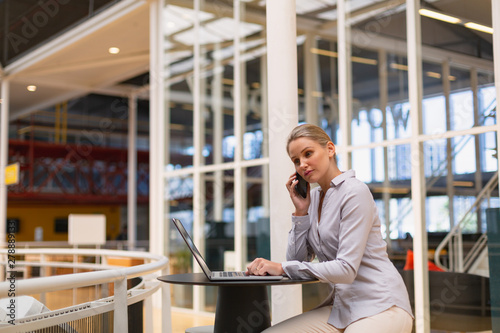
309 131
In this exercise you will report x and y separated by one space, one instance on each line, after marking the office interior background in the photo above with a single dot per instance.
149 110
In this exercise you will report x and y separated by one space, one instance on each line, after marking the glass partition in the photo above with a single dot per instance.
180 144
179 201
219 227
398 121
457 96
461 100
217 111
317 76
258 234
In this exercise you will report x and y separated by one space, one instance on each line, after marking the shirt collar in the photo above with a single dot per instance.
343 176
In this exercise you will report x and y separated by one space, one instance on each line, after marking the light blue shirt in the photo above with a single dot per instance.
351 251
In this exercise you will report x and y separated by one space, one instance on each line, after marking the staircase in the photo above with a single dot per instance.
481 265
476 260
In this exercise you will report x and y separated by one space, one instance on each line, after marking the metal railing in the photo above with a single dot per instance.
140 245
453 241
102 274
475 252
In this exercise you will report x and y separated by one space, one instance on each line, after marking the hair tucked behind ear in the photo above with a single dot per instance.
309 131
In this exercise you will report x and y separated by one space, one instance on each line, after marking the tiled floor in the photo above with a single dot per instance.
181 319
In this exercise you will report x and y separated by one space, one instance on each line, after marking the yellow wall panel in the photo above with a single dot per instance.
36 215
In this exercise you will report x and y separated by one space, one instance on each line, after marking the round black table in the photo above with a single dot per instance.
242 306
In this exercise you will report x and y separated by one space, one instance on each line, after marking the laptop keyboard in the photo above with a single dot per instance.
228 274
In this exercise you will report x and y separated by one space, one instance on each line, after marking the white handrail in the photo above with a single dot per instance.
105 274
456 230
110 244
61 282
475 252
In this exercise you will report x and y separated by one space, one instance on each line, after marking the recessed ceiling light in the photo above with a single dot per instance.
31 87
114 50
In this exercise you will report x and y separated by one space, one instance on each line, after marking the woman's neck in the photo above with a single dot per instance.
332 173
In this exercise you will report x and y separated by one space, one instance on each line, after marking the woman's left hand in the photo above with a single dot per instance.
261 266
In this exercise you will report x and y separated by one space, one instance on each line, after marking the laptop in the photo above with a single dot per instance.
217 276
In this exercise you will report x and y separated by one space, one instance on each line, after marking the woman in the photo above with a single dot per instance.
338 223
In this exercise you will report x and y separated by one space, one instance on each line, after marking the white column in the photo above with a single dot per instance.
218 116
198 208
422 310
4 145
120 315
345 81
238 122
158 239
495 14
265 126
156 105
242 73
283 117
132 173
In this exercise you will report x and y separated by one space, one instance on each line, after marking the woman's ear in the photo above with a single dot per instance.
331 149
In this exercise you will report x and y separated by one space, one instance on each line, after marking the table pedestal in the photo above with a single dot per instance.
242 310
242 305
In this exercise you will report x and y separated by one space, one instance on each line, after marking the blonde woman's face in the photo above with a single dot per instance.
311 160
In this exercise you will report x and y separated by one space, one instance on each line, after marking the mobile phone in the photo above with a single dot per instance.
301 186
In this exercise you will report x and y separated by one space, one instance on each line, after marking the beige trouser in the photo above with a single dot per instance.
393 320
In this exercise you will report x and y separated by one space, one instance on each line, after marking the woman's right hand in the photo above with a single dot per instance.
301 204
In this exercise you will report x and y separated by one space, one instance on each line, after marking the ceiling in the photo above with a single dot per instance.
77 62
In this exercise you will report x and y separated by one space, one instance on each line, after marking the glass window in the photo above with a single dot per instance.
179 201
456 169
207 94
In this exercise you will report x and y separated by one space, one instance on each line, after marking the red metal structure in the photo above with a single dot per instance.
75 173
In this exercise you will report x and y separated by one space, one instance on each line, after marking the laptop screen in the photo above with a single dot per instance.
192 247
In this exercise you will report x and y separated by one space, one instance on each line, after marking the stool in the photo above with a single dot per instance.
201 329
